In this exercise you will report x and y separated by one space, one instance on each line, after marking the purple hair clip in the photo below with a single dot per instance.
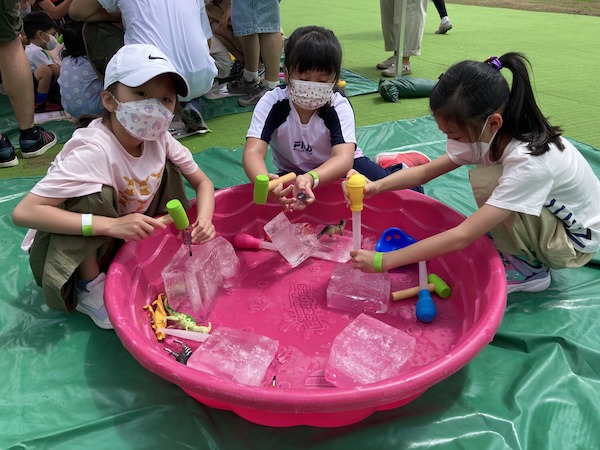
494 61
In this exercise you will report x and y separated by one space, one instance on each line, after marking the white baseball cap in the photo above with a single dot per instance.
134 64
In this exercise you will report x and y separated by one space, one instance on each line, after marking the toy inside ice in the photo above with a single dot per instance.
191 283
236 355
367 351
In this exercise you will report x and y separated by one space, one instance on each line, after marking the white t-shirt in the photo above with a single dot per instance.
561 181
38 56
93 157
297 146
179 28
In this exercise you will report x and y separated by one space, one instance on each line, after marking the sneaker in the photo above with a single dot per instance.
31 148
522 276
237 69
91 302
387 63
48 106
8 158
409 159
192 118
391 71
253 98
445 25
242 87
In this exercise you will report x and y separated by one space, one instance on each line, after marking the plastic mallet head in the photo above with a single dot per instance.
261 189
425 310
178 214
355 186
440 286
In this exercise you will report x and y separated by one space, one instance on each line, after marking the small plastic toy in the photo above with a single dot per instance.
355 185
425 309
262 186
158 315
332 229
182 356
185 321
393 239
179 218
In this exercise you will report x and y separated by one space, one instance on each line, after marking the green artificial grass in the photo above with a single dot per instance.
561 48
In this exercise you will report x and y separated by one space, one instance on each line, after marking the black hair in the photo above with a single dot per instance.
38 21
73 39
470 91
313 48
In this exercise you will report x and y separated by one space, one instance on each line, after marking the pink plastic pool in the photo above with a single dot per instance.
290 305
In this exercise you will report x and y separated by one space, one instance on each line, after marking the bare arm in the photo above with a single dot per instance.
92 11
203 228
43 213
253 158
56 12
454 239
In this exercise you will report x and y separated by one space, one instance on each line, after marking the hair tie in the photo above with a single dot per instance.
494 61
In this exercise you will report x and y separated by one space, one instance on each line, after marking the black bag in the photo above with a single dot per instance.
102 40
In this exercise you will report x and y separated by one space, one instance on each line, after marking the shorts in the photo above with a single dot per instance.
11 23
254 17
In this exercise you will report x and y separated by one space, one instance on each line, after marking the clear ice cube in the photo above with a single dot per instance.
350 289
367 351
192 282
235 355
293 245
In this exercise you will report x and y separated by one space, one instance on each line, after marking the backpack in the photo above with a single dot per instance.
102 40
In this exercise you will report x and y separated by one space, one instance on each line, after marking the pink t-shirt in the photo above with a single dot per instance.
94 157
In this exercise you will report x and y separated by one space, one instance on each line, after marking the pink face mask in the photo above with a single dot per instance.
146 119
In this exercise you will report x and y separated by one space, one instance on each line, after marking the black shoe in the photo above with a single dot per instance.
30 148
192 118
8 158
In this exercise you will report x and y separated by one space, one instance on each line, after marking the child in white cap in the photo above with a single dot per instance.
108 182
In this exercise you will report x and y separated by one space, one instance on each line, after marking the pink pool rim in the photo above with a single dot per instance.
467 321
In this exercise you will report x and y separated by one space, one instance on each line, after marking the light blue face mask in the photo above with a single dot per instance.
464 153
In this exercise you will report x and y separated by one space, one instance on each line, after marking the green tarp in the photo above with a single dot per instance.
68 384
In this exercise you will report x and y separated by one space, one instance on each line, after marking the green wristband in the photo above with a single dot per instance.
315 176
86 225
378 262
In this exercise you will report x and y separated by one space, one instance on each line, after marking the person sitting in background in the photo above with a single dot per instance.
17 82
183 38
41 31
80 88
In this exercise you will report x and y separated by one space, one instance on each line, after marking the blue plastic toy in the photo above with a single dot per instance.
393 239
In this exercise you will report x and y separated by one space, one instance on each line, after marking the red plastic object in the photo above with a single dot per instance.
290 305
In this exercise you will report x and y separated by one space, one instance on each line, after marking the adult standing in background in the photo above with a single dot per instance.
179 28
257 25
445 24
414 23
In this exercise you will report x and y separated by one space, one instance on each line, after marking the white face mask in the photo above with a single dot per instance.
24 8
469 152
310 95
52 42
145 119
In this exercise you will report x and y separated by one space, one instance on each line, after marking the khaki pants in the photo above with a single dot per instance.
540 237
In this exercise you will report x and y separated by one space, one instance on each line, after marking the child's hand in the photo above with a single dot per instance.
280 194
203 230
303 193
133 227
369 190
363 260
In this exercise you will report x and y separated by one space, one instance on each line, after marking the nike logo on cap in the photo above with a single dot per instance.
156 57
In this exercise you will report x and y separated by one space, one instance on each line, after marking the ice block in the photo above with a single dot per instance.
367 351
191 283
350 289
289 240
235 355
